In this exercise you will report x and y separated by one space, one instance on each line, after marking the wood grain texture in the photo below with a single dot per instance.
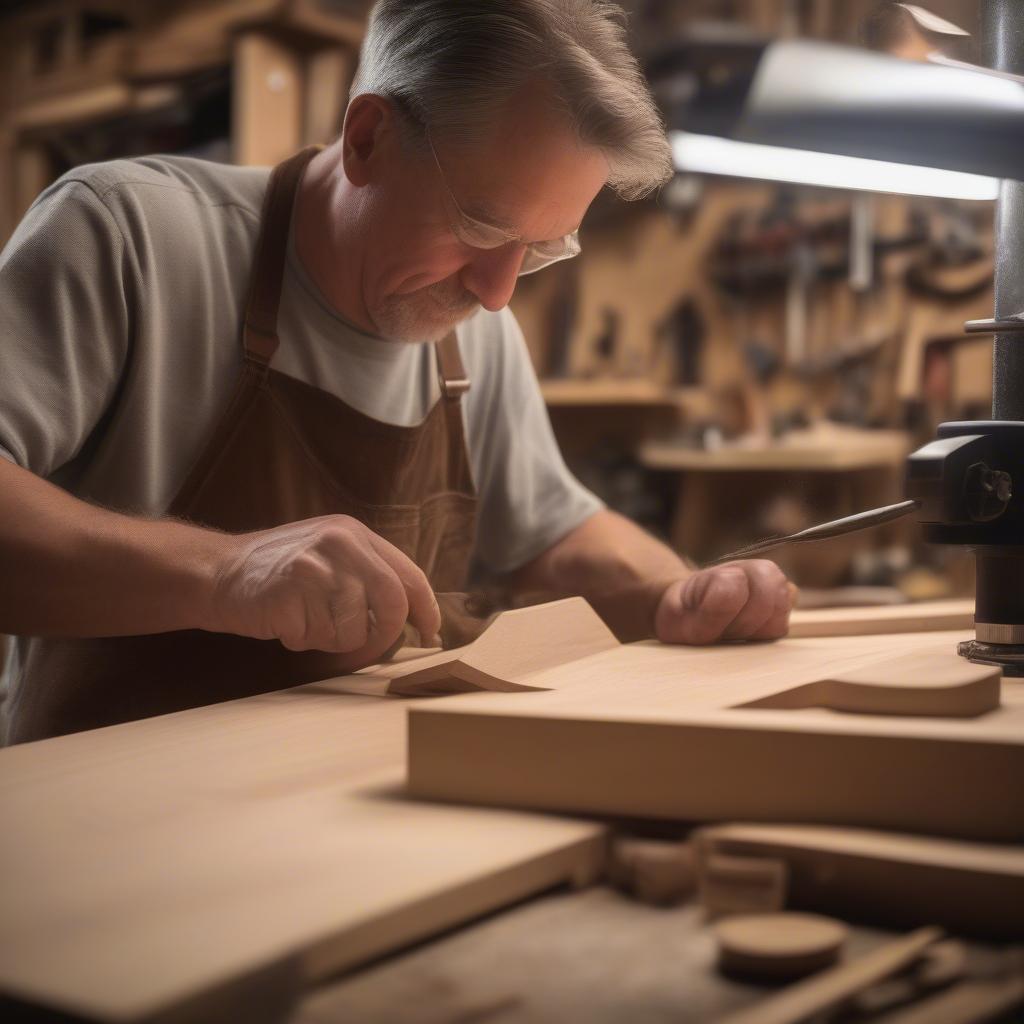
657 731
149 866
884 877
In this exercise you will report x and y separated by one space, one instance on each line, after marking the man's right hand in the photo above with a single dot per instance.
327 584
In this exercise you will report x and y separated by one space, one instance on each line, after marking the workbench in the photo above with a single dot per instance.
263 854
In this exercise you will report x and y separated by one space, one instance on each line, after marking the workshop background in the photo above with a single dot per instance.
727 360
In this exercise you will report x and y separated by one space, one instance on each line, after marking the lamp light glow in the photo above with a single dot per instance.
708 154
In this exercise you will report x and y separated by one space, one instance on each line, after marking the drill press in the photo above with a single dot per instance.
970 480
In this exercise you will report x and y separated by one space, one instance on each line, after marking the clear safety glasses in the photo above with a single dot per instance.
479 235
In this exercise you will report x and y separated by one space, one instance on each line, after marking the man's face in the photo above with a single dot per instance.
529 177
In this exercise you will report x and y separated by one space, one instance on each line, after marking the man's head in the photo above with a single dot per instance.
477 137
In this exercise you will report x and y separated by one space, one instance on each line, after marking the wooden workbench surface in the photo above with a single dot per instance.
152 866
173 862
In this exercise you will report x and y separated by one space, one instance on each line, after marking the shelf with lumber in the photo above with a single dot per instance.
611 391
824 447
72 68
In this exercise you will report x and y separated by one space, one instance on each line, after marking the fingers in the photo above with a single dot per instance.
423 610
767 606
711 600
748 600
778 624
372 624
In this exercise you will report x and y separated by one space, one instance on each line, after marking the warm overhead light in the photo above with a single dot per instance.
709 154
932 22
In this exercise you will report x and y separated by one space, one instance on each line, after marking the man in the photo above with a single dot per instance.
239 448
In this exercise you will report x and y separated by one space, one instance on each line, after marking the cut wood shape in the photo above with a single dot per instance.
775 947
650 730
941 685
514 648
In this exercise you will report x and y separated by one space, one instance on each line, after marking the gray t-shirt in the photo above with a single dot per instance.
121 295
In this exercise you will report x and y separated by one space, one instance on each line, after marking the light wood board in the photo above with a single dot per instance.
954 613
144 868
887 878
657 731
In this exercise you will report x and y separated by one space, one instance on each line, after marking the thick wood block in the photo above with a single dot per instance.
704 734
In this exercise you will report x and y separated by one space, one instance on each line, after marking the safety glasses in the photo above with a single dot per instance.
478 234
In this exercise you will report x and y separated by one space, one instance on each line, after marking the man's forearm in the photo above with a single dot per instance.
618 567
68 568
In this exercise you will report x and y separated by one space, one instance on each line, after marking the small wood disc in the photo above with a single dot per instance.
776 947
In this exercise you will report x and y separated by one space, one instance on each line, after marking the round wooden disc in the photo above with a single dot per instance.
778 946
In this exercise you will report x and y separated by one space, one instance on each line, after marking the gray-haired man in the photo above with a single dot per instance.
239 450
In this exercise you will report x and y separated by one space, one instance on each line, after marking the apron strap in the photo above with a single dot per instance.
259 335
450 371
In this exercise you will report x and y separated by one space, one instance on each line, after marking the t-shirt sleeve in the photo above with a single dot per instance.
528 497
63 326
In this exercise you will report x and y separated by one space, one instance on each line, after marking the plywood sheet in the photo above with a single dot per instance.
146 867
657 731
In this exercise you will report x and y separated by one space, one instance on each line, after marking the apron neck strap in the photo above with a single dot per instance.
260 331
450 371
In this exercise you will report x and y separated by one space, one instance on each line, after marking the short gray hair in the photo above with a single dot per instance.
453 63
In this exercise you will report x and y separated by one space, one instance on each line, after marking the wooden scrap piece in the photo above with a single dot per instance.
941 964
741 885
937 684
776 947
969 1002
654 871
515 645
830 988
884 877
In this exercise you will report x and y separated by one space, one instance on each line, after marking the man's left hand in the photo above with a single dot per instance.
748 600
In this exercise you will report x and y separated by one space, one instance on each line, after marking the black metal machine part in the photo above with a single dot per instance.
965 480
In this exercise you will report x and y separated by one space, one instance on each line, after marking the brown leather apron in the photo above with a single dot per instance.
283 451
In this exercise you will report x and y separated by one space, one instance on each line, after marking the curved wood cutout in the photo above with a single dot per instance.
934 685
514 646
